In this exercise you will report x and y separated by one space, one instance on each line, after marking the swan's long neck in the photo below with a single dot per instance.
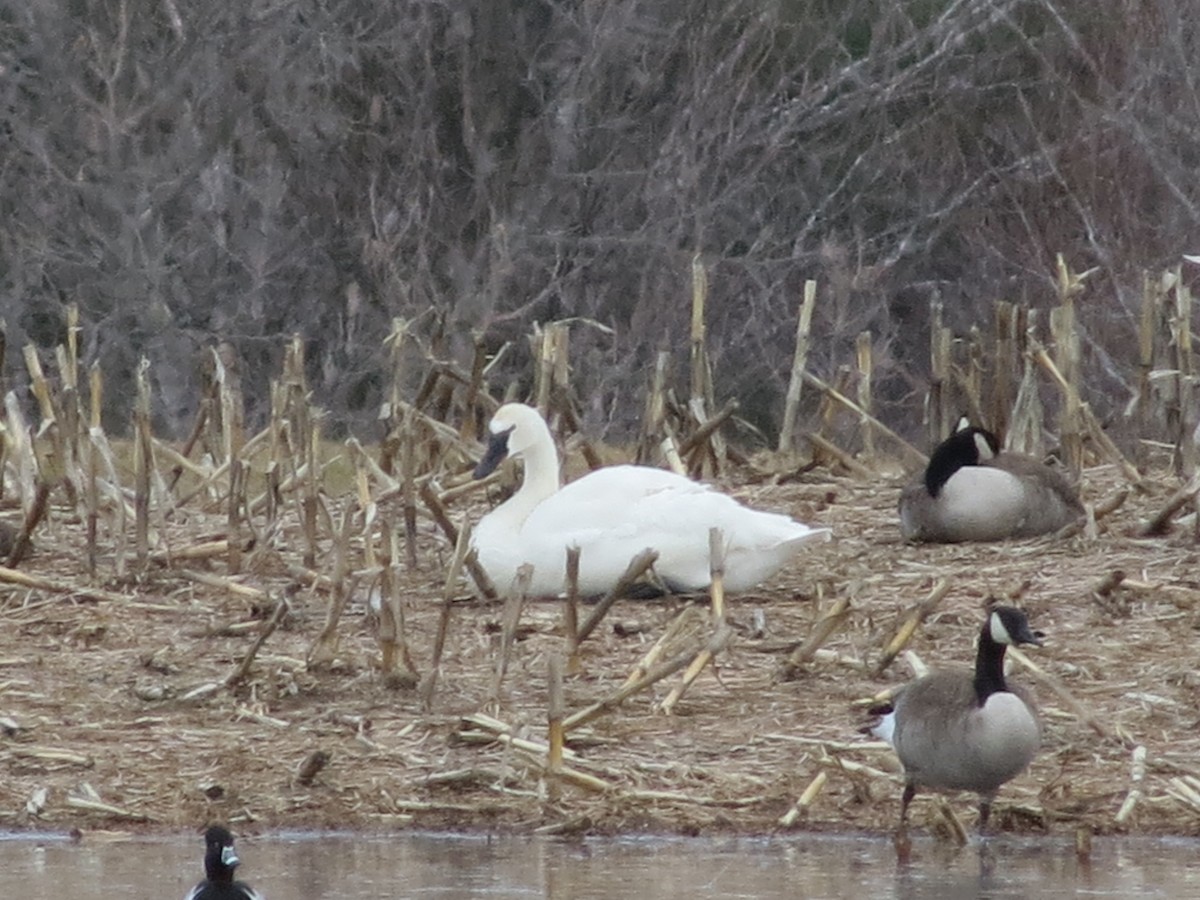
541 478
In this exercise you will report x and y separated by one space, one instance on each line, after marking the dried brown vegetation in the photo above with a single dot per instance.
120 710
244 628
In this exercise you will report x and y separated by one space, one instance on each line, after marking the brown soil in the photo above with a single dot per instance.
99 731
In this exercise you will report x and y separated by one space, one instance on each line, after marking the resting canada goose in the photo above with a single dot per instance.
971 491
957 731
613 514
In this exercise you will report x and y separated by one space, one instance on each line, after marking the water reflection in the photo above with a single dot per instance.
291 866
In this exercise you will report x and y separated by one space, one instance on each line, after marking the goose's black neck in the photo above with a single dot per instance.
948 457
989 666
960 449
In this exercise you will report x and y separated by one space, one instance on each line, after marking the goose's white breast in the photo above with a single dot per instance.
982 503
1005 736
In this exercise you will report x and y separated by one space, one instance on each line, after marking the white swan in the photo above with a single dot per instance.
613 514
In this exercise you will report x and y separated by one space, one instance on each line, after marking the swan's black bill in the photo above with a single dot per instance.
497 452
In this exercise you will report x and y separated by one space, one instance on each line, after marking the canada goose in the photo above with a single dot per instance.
613 514
957 731
971 491
219 862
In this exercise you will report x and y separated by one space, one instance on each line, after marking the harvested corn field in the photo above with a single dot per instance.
270 630
181 693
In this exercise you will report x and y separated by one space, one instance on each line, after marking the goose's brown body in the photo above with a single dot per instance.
972 492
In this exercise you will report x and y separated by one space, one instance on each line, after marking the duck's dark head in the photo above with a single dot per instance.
968 446
220 859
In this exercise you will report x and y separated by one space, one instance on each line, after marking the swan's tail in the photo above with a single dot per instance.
802 534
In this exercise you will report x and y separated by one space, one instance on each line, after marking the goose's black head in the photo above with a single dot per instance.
220 859
1009 626
1005 627
968 446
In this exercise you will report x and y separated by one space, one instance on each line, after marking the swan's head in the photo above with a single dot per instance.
514 430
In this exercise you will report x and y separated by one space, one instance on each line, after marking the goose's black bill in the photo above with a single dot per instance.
1017 626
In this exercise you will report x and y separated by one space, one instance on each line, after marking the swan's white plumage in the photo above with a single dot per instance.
617 512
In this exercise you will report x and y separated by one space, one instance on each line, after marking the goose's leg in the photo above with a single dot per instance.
985 812
910 791
900 839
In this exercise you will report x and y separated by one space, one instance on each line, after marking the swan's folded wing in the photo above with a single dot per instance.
617 512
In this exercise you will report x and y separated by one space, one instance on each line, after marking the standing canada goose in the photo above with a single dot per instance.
957 731
613 514
220 860
971 491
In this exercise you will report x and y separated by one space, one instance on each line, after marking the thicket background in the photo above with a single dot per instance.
244 169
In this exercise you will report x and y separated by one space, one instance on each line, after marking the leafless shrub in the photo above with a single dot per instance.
246 172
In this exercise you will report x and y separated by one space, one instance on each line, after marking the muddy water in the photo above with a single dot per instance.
347 867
